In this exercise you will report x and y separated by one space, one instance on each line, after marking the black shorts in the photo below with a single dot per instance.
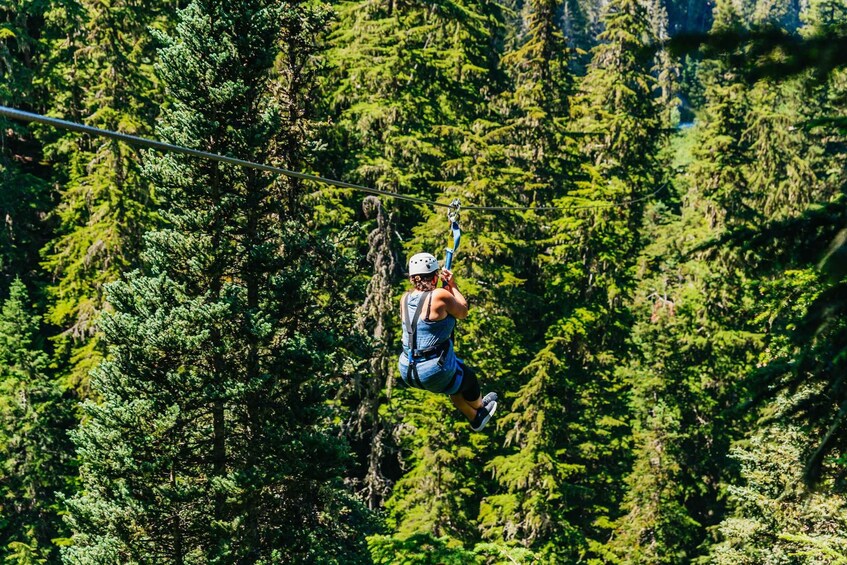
470 384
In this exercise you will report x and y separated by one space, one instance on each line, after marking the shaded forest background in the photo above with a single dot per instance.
197 361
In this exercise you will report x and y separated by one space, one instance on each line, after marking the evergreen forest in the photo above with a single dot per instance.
198 360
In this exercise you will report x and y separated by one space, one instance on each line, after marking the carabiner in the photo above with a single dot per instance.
453 211
453 216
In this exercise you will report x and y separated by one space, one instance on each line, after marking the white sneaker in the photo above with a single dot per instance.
483 415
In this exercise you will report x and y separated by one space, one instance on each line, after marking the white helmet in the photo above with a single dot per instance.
422 264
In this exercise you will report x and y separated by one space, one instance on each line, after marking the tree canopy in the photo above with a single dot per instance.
198 360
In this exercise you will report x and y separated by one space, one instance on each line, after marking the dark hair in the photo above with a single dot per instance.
424 282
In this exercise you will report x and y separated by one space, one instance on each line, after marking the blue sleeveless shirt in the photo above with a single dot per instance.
437 370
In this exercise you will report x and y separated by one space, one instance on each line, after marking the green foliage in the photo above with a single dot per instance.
775 519
442 462
212 442
33 445
105 203
811 347
617 102
24 194
692 335
750 164
399 72
666 69
824 17
622 339
427 549
809 339
410 80
567 428
23 199
691 339
373 389
782 173
420 549
721 150
529 158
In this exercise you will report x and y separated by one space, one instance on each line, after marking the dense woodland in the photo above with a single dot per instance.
198 360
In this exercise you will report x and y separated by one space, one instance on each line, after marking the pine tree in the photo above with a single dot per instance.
515 153
24 196
529 161
694 338
105 205
807 238
690 350
399 72
792 179
34 446
581 23
565 428
725 115
213 394
778 14
518 152
616 105
666 69
824 17
509 155
786 162
783 171
775 518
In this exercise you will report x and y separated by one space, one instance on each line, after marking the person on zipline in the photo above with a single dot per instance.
429 315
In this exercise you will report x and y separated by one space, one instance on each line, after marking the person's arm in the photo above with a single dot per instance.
403 310
454 301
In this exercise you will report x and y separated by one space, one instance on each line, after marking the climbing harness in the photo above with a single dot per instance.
416 355
412 377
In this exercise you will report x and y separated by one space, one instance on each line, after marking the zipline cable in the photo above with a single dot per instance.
21 115
167 147
622 203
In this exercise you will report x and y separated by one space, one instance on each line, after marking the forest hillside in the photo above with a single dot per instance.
199 359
